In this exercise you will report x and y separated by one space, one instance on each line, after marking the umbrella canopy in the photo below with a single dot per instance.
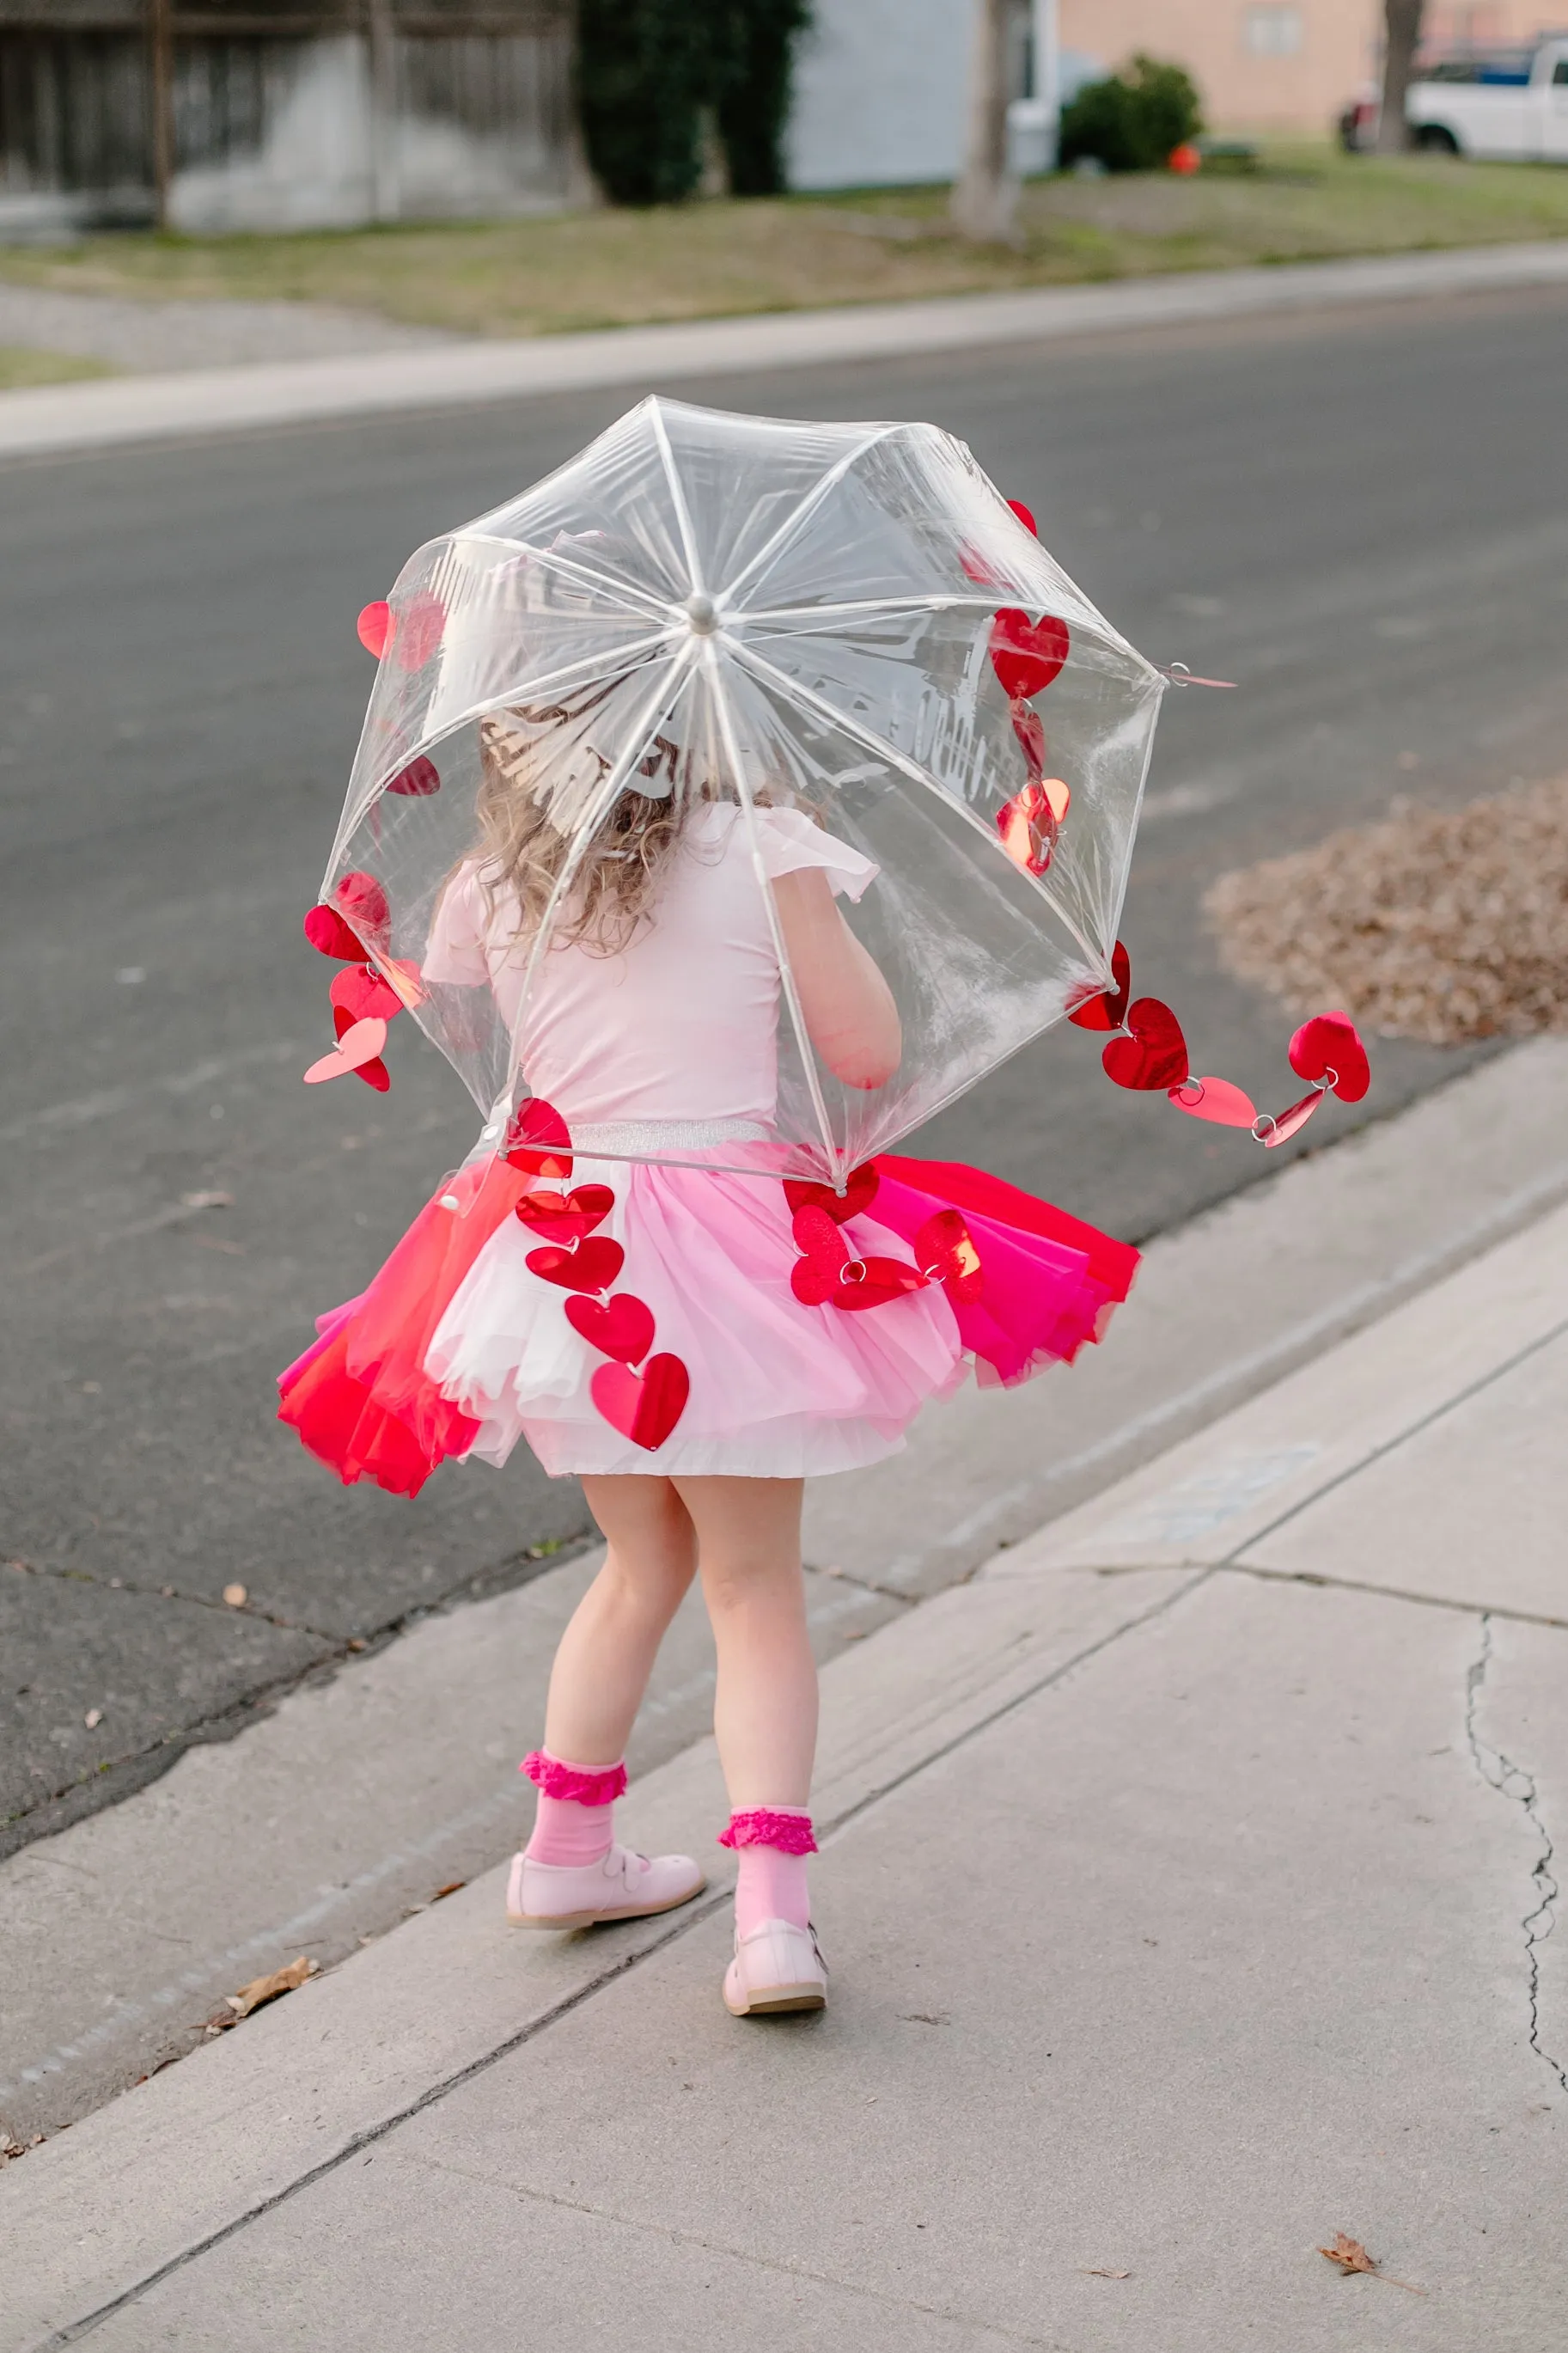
846 621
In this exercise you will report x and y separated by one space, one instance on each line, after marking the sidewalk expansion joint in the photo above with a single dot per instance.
692 1917
1391 1445
1512 1781
1379 1592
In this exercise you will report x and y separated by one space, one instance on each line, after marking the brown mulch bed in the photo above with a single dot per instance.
1442 925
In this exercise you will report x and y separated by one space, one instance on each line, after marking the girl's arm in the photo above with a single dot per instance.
850 1016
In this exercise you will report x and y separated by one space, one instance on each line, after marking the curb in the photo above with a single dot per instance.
206 401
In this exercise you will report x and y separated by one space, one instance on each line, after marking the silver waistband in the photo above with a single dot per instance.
636 1139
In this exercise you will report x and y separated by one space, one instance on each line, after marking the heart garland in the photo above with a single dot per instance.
538 1141
411 636
357 912
1027 656
945 1253
827 1274
644 1407
567 1217
1149 1051
591 1265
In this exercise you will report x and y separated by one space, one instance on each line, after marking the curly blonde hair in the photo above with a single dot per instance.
522 851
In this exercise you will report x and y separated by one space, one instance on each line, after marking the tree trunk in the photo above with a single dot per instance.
1402 20
985 196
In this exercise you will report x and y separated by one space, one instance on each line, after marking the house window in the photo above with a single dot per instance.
1270 30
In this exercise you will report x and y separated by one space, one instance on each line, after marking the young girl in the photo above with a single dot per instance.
804 1329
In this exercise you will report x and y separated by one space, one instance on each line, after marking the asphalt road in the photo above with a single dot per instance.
1361 517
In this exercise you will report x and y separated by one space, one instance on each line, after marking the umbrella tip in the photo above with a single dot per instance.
701 614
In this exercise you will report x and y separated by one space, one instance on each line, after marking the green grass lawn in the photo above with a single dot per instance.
19 367
717 257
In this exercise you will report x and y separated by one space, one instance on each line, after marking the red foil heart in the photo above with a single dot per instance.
1030 823
358 1045
363 995
643 1407
1026 655
1271 1132
945 1253
859 1192
418 630
538 1141
331 936
1024 517
828 1276
1030 730
1153 1055
592 1266
417 781
567 1217
621 1327
374 627
1214 1099
1331 1043
1107 1009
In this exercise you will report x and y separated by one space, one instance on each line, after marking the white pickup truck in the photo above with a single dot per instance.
1499 106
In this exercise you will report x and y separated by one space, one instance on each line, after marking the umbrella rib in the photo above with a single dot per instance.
775 930
803 697
809 505
938 602
547 684
549 556
678 495
657 707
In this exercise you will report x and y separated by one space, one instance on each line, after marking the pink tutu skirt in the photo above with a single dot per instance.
458 1348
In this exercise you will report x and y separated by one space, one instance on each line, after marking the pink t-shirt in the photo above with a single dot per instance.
681 1024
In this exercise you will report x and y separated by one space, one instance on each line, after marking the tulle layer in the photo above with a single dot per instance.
778 1389
458 1348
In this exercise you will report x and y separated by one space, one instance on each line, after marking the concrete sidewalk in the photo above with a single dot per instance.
1188 1880
208 400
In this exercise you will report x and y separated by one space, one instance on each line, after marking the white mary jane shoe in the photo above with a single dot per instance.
621 1885
777 1967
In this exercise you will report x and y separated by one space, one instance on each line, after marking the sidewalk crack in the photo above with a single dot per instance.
1501 1773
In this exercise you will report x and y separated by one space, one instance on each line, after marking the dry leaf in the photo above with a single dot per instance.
1099 2270
236 1596
1439 924
1351 2256
206 1200
251 1997
93 1718
450 1889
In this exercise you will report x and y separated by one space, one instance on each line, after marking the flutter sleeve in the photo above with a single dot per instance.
456 951
790 841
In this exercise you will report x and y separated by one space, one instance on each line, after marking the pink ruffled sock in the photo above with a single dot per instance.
771 1844
576 1807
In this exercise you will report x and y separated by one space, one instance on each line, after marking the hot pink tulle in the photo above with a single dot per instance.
1050 1278
360 1397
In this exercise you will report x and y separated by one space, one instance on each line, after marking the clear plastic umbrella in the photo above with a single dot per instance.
845 620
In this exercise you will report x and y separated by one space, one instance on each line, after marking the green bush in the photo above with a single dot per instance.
1132 121
647 70
752 100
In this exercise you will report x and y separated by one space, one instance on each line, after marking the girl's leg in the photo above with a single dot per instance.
572 1872
765 1709
607 1652
764 1717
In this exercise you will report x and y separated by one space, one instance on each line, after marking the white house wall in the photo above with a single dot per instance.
879 93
